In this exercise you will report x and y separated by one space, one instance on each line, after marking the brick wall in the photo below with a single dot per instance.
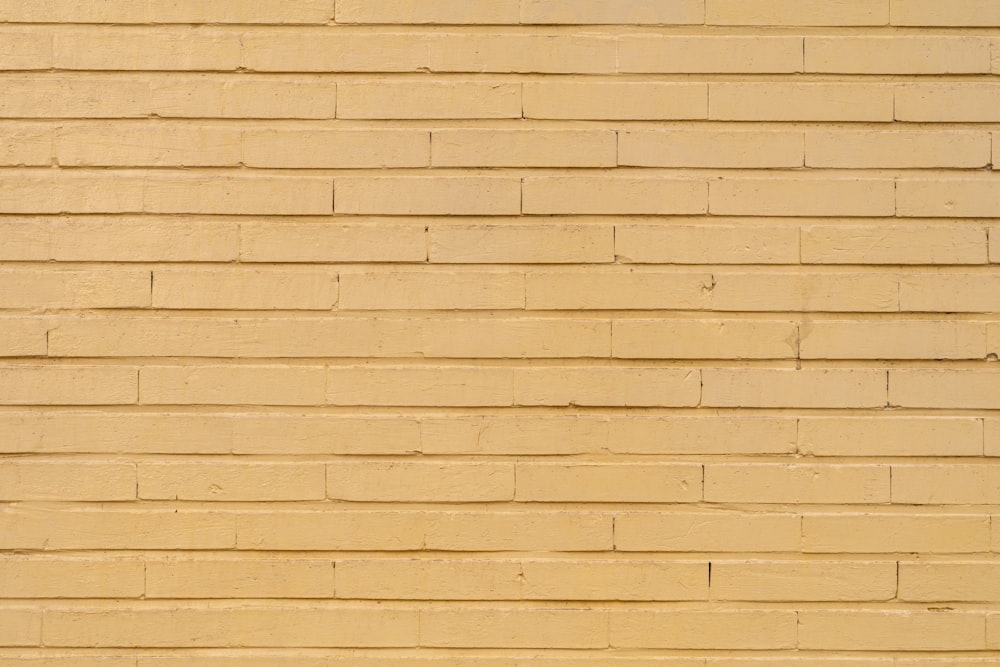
569 333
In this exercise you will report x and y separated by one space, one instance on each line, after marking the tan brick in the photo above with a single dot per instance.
802 197
888 533
427 11
615 101
943 662
232 385
402 481
327 242
324 434
800 101
947 102
524 148
235 11
420 386
949 582
184 49
810 388
702 435
780 581
56 480
705 531
426 579
710 149
797 12
514 628
237 658
510 338
246 289
617 290
51 528
260 195
44 577
76 96
330 530
340 149
706 244
608 483
231 481
704 339
993 630
423 196
890 436
800 662
891 630
20 627
550 54
242 97
405 100
313 50
711 55
156 145
932 388
900 339
239 578
941 484
950 292
519 531
23 337
887 244
618 196
427 290
74 288
25 145
618 386
991 438
792 483
67 192
21 50
22 432
912 149
276 625
951 198
67 385
614 580
897 55
513 435
829 292
981 13
758 629
25 239
142 240
548 243
640 12
59 11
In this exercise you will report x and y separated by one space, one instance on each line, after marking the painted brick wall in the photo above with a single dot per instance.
569 333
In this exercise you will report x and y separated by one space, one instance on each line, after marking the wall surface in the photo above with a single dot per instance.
499 333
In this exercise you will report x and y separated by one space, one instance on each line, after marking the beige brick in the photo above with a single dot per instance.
941 484
900 339
981 13
524 148
242 97
615 101
943 662
57 528
420 386
21 50
235 11
247 289
888 533
530 53
614 580
324 434
710 149
704 339
991 441
883 150
950 292
74 288
897 55
548 243
792 483
232 385
45 577
330 530
802 197
237 658
800 101
702 435
405 100
887 244
615 290
427 11
238 195
951 198
22 432
25 239
158 145
514 628
949 582
931 388
711 55
947 102
829 292
780 581
890 436
758 629
183 49
800 662
76 96
618 386
810 388
59 11
23 337
427 290
993 630
640 12
891 630
67 192
424 196
20 626
67 385
142 240
327 242
276 625
231 481
618 196
608 483
340 149
62 480
705 531
402 481
706 244
426 579
797 12
313 50
239 578
519 531
513 435
26 145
